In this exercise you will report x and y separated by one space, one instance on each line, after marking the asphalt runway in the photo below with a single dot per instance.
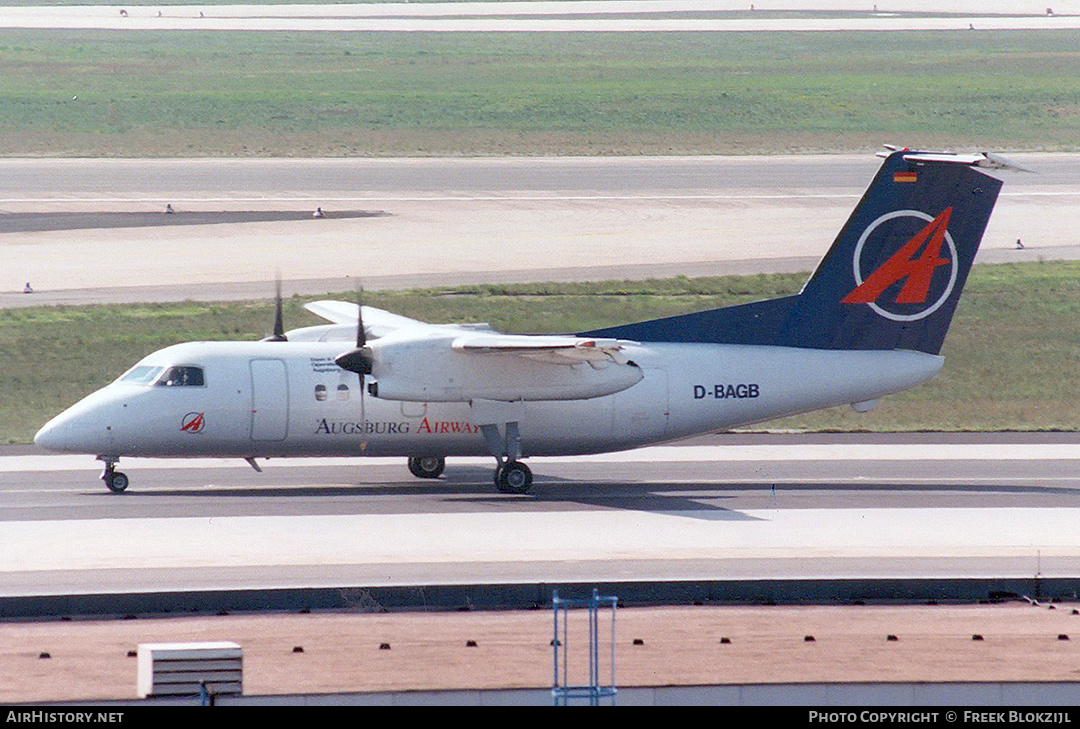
342 557
995 511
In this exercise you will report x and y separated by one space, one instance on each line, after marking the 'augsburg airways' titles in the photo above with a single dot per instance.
384 427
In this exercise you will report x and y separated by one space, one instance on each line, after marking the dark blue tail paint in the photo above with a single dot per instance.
890 281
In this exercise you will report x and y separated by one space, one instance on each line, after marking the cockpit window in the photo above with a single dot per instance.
141 374
181 376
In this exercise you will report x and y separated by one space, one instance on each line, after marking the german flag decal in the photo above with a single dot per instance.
904 177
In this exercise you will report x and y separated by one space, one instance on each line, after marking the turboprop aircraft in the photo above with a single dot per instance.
868 323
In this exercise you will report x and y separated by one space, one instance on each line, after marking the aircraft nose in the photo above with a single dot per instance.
50 436
79 429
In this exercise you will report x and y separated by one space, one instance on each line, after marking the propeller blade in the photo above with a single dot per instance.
361 334
361 356
279 320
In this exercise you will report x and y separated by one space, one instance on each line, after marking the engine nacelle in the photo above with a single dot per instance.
433 371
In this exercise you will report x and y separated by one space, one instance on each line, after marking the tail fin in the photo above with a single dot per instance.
892 278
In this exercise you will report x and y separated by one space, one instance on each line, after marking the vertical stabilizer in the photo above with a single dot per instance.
891 279
894 275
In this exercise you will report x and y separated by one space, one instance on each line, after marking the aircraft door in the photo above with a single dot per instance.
269 400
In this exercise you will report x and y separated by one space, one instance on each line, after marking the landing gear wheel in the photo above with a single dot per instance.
427 466
115 481
513 477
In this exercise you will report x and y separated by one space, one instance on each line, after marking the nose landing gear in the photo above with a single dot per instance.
115 481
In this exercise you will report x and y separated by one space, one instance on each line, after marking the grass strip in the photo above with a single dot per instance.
199 93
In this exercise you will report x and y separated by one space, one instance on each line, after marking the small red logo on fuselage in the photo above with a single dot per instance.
193 423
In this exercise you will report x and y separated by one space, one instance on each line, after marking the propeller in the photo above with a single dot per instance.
279 322
360 359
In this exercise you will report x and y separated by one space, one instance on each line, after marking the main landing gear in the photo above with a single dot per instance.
114 480
427 466
513 477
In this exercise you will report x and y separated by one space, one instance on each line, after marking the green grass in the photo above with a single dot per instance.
336 94
1012 352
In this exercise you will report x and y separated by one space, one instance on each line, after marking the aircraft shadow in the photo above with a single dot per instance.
457 496
471 489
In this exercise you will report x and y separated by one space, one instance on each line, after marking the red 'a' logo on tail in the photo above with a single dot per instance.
905 264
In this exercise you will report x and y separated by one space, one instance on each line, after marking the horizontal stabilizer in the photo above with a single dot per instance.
986 160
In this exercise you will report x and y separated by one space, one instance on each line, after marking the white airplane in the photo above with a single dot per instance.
868 323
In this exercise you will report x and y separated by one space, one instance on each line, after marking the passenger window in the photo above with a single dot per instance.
342 392
182 376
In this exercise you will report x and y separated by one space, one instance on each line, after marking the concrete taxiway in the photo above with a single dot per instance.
741 517
398 223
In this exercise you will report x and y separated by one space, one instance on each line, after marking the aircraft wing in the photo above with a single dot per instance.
377 322
415 361
338 312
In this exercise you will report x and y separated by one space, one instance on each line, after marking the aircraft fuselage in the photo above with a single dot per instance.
279 399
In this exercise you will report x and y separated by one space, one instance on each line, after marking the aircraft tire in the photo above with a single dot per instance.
427 466
513 477
116 482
